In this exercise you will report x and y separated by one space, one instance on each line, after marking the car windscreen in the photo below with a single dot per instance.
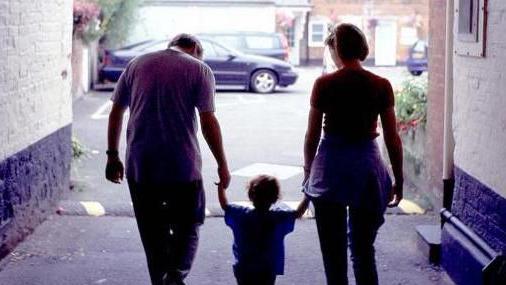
263 42
212 49
419 50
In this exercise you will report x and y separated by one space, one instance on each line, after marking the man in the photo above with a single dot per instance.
163 161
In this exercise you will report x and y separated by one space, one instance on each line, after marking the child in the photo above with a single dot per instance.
259 232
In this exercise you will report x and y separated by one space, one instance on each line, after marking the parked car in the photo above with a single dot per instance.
231 67
259 43
417 61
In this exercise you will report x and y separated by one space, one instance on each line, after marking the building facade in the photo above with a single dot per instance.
391 27
35 113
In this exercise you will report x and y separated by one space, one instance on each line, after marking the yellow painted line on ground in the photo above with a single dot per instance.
410 207
93 208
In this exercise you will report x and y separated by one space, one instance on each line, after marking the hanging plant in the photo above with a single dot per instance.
111 20
85 16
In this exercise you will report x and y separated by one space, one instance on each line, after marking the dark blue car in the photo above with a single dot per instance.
417 61
231 68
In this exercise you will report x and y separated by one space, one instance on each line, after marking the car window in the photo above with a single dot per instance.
220 51
419 47
208 49
156 47
141 46
262 42
231 41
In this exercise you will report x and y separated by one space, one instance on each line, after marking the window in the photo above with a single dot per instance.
290 36
262 42
468 20
208 49
470 27
231 41
317 33
220 51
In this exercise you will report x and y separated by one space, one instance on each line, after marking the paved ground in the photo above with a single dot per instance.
107 250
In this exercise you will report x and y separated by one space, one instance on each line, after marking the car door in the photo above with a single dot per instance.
228 67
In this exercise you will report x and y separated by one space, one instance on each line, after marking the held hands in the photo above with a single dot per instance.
114 170
395 195
224 176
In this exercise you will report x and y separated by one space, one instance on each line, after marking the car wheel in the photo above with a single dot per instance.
263 81
416 72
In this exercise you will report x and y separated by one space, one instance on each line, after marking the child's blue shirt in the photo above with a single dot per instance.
259 238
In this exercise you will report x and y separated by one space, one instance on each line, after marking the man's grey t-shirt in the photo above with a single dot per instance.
162 90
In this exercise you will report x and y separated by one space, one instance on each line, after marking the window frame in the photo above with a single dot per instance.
470 27
324 33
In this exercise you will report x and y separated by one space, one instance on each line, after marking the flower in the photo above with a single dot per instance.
84 12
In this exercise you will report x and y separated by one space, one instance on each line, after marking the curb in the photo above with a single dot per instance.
125 209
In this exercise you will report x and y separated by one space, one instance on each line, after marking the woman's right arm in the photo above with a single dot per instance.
394 146
313 133
314 129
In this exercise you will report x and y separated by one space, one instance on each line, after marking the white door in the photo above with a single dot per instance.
386 43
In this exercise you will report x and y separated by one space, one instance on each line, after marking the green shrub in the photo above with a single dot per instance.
78 149
411 103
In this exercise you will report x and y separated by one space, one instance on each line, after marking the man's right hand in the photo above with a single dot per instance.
114 170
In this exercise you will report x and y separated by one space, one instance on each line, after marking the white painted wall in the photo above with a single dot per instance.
479 112
164 21
35 47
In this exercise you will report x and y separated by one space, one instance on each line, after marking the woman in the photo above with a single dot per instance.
344 175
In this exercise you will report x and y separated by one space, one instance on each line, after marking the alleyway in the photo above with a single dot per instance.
107 250
76 248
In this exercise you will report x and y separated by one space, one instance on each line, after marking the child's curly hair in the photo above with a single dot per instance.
263 191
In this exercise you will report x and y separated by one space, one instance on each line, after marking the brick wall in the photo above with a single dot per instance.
35 113
35 42
481 209
435 108
400 10
479 129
